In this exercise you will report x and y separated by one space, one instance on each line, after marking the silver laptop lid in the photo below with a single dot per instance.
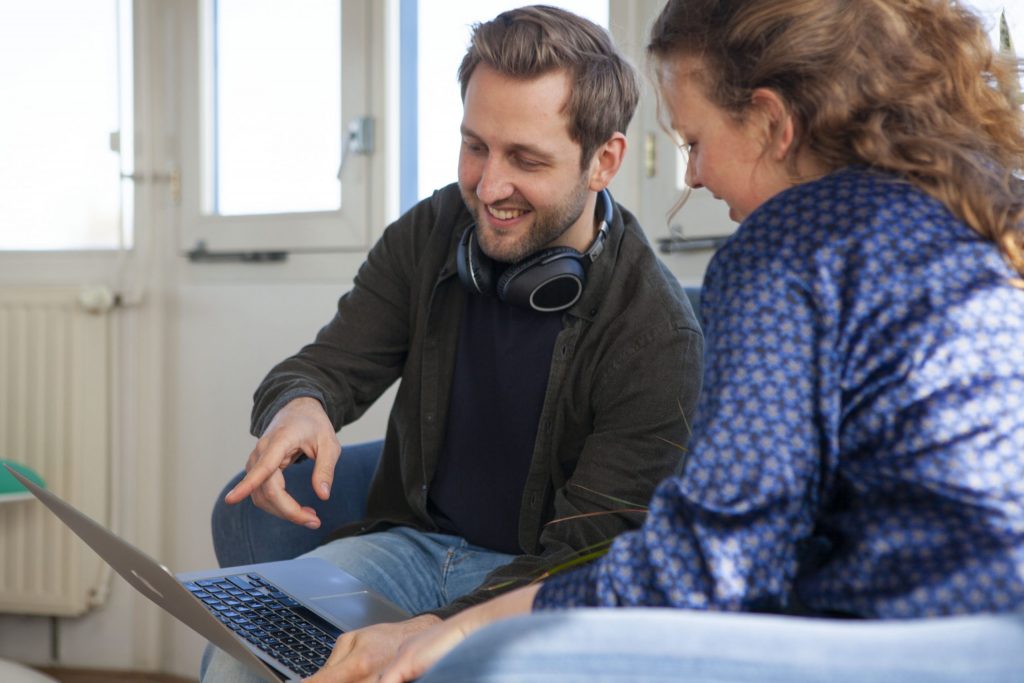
152 579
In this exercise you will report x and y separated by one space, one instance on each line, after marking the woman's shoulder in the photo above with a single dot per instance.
848 199
850 225
847 209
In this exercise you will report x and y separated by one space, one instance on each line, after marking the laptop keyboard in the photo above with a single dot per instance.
268 619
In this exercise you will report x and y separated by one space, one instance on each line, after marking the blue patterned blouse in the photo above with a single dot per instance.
859 448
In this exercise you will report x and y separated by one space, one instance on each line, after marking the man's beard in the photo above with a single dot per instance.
548 225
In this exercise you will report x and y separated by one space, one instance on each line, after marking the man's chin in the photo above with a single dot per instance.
501 251
506 256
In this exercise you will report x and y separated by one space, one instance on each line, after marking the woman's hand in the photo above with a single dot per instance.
421 652
360 656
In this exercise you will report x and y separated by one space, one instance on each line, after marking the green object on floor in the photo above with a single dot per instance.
10 488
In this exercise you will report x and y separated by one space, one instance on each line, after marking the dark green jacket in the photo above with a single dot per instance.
623 384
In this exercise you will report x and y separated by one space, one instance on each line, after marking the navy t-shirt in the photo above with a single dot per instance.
501 375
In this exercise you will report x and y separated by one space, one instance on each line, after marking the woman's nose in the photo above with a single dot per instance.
691 178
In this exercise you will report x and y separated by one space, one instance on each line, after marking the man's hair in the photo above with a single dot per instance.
913 87
532 41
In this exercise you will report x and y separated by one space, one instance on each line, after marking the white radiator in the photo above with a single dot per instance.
55 398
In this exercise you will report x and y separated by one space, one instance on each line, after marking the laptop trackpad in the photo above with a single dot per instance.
356 610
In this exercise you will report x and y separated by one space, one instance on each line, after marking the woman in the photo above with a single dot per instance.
859 450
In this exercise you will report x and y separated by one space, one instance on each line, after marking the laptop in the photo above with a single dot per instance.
280 619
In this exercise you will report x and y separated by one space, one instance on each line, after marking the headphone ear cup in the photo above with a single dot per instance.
474 267
550 280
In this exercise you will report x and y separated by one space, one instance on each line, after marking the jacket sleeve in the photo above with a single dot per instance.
642 405
362 350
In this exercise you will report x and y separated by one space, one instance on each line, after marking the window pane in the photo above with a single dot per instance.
990 10
443 38
276 106
59 181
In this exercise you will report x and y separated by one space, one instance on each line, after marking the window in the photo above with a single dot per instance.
275 106
431 125
271 92
990 11
66 125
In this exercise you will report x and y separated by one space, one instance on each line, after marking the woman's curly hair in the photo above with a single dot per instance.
909 86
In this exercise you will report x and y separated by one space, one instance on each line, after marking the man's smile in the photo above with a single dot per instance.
505 215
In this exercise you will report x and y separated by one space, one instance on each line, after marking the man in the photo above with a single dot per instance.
549 363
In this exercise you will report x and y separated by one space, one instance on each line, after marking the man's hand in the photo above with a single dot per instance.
420 653
360 656
301 426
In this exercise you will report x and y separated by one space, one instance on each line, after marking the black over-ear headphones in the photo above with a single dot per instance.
550 280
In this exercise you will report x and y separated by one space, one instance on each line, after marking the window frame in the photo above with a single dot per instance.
350 228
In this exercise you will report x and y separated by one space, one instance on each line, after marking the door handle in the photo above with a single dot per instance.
358 141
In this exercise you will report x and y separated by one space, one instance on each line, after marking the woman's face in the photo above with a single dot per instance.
733 160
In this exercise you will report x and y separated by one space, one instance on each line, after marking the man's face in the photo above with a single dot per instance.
519 171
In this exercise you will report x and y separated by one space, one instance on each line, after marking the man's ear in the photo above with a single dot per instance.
780 128
606 162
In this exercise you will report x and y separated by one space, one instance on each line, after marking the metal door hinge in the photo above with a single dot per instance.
173 180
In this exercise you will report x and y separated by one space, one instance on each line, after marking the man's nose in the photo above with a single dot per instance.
495 182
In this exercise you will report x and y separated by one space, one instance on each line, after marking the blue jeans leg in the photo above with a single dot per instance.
660 645
417 571
244 534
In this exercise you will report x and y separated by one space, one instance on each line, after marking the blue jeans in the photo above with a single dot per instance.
417 571
244 534
660 645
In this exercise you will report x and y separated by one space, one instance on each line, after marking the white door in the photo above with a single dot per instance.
267 236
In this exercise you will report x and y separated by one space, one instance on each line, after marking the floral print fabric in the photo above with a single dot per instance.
859 448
